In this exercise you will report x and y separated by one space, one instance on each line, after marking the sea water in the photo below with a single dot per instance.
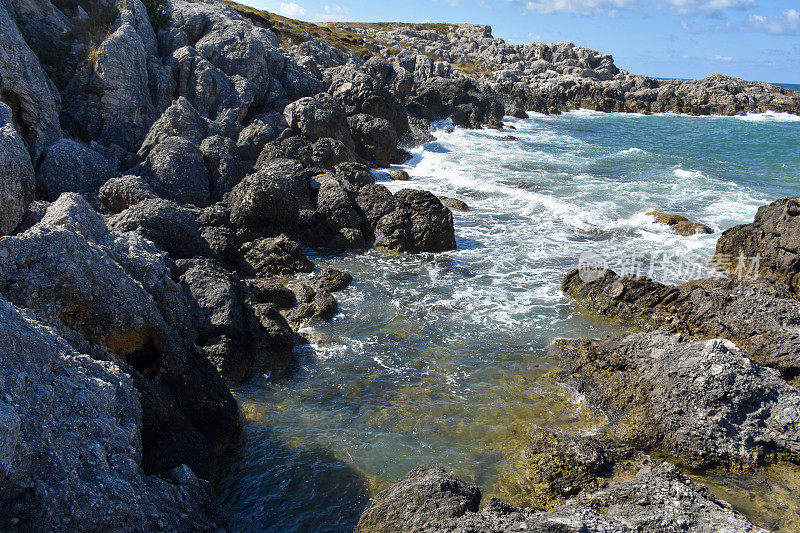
443 358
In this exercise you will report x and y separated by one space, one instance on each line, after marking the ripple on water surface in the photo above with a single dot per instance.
443 358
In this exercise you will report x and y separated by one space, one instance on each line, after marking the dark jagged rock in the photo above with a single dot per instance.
356 175
312 302
467 103
267 257
261 130
118 194
680 224
180 119
17 181
176 170
703 402
770 244
760 315
70 166
266 204
265 291
225 167
375 139
237 338
419 223
332 280
167 224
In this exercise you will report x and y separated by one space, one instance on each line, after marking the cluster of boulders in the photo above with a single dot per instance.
158 187
550 78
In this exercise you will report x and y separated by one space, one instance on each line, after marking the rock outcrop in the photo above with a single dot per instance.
111 295
704 402
760 315
71 443
770 244
657 498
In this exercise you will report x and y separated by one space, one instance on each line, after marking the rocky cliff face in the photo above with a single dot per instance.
159 161
550 78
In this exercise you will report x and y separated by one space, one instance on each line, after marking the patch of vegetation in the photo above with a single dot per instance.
291 31
158 13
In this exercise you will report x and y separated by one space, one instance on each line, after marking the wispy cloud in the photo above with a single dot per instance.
787 23
332 13
708 7
582 7
722 58
291 9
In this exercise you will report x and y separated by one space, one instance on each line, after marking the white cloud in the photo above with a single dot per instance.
709 7
331 13
581 7
722 58
292 9
787 23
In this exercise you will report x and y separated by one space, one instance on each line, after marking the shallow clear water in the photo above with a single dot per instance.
443 357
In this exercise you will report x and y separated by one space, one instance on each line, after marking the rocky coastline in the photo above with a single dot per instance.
164 168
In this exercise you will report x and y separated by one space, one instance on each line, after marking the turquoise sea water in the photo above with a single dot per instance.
443 357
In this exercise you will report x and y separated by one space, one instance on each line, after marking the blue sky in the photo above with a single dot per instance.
752 39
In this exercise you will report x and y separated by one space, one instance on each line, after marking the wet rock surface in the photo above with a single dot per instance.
759 315
657 498
769 244
704 402
680 224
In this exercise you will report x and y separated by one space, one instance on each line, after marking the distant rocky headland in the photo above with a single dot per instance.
165 164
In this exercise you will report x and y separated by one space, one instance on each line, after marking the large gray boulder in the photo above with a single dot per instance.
27 89
109 98
375 139
172 227
225 167
261 130
240 337
177 171
70 166
267 202
17 182
120 193
71 444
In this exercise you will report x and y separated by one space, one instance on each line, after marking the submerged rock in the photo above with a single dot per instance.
680 224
